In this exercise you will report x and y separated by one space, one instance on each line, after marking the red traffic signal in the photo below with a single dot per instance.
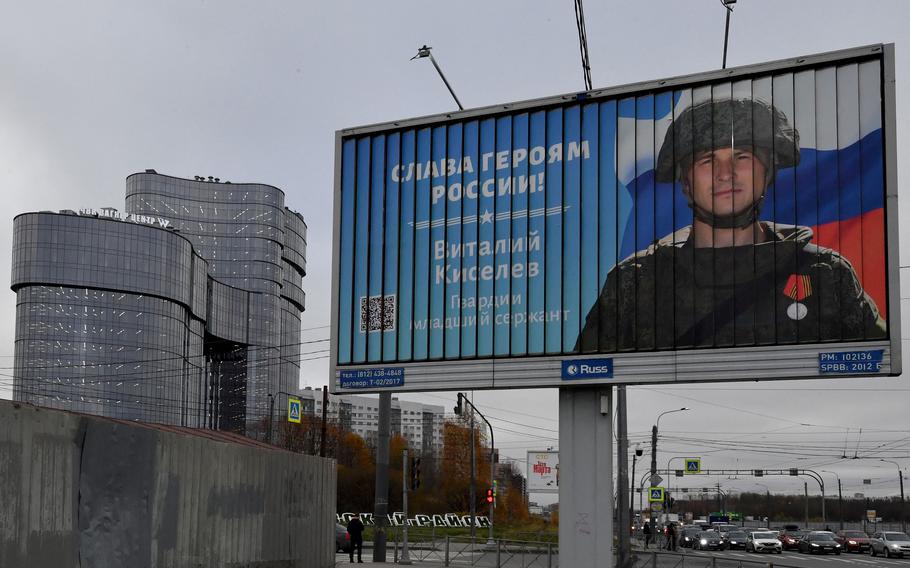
489 495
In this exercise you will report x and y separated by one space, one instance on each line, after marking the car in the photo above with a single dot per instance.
342 538
735 539
853 541
688 536
708 540
819 542
890 544
763 541
789 538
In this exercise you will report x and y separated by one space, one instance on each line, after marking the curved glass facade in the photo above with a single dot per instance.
193 324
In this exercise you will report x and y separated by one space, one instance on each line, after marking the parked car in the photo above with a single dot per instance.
789 538
890 544
763 541
853 541
342 539
735 539
819 542
708 540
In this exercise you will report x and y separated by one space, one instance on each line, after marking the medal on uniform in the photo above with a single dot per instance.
798 288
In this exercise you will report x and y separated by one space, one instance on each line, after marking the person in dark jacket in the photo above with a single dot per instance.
647 531
671 537
355 529
729 279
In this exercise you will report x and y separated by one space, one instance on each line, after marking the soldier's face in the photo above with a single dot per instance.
726 181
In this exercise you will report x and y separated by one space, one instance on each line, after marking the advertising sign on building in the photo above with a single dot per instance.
543 472
734 225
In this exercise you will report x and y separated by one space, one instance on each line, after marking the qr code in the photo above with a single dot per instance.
377 313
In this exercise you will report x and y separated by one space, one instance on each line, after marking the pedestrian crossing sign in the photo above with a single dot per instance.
693 465
656 495
294 410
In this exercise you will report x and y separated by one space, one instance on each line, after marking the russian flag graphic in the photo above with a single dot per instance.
837 189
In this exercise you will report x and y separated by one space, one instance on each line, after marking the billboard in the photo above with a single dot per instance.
543 472
730 225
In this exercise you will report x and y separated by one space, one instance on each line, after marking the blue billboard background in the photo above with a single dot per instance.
494 237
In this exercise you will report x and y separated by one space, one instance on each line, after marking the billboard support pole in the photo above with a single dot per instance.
586 477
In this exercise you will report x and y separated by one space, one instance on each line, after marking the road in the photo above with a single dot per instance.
732 559
722 559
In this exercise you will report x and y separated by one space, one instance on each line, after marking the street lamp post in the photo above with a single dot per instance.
463 398
900 477
767 503
840 497
654 431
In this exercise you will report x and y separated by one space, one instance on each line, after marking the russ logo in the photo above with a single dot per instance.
587 369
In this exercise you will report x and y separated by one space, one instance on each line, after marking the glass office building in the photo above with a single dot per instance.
185 309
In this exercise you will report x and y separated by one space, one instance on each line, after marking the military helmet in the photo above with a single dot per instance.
740 123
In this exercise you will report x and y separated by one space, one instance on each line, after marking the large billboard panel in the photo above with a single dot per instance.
635 234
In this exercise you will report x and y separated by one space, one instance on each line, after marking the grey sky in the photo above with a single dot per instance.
253 91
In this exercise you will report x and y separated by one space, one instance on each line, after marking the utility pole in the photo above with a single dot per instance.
903 512
806 487
651 520
768 501
473 481
900 477
381 507
622 503
405 558
271 412
840 504
325 403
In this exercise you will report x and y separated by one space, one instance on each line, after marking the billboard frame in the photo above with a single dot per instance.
647 367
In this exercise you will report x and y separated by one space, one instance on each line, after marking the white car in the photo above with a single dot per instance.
890 544
763 541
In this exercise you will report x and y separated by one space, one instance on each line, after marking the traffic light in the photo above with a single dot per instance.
490 495
415 473
458 409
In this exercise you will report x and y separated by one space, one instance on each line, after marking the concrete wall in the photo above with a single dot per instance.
82 491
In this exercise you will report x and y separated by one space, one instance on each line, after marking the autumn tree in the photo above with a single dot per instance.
455 466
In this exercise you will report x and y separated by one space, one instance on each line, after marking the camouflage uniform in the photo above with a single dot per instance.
673 295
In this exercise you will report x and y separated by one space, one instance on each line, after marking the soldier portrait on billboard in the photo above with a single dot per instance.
730 278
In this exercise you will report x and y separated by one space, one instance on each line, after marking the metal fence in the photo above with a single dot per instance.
467 551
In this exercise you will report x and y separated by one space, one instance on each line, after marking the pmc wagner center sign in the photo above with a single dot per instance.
734 225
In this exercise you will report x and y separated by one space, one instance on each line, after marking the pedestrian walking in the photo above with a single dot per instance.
671 537
647 534
355 529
